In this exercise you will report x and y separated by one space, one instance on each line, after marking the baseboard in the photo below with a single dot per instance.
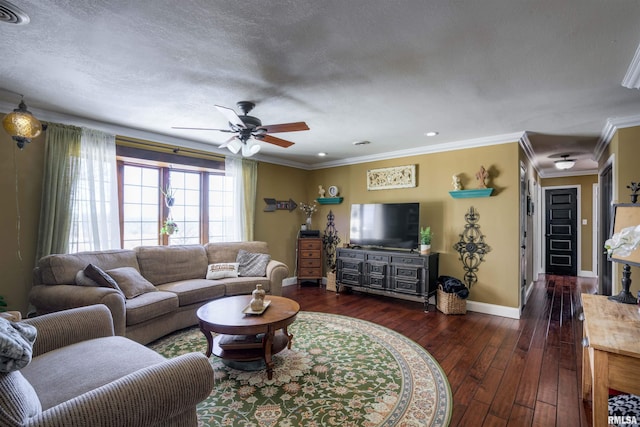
478 307
290 281
528 292
495 310
585 273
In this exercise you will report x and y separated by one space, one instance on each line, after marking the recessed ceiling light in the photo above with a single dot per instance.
322 154
361 142
431 133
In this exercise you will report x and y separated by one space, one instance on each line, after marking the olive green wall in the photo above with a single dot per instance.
21 184
280 228
498 275
585 183
625 147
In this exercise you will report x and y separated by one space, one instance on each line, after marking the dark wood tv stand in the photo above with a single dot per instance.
397 274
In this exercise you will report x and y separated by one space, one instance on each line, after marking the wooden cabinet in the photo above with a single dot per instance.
396 274
309 259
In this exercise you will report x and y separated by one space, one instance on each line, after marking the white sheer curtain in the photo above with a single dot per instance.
235 229
95 220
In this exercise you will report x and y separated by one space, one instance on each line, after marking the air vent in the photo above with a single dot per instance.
12 14
361 142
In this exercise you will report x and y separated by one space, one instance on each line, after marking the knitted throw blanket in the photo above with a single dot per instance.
16 344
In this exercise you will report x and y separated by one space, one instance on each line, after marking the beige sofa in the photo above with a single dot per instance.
177 273
83 375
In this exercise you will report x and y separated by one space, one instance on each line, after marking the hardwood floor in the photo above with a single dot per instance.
503 372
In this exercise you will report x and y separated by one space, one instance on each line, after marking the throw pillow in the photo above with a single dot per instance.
131 282
16 344
222 270
98 275
252 265
83 280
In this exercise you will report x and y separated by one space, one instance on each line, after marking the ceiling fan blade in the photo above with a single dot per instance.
276 141
231 116
285 127
220 130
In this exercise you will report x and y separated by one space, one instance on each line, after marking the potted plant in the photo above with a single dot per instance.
425 240
169 227
308 211
169 195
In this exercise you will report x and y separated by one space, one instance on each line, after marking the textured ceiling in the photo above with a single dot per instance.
384 71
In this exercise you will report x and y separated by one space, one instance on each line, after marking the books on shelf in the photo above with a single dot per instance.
240 342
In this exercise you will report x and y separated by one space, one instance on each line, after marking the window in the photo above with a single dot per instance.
202 208
140 206
186 211
220 208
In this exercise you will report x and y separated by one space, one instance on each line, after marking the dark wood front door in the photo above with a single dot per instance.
561 233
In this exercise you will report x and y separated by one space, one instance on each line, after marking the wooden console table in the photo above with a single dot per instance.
611 353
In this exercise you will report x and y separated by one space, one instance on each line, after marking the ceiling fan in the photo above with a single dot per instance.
248 129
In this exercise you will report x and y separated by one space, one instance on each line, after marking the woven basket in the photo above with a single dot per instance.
450 303
331 281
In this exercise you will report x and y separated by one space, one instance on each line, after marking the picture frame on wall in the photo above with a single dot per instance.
393 177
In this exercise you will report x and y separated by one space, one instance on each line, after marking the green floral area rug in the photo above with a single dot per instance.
340 371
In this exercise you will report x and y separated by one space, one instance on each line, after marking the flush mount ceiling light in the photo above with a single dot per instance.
322 154
21 125
565 163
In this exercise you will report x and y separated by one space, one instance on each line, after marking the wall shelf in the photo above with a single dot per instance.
468 194
330 200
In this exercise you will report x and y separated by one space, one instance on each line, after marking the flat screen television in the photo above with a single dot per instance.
385 225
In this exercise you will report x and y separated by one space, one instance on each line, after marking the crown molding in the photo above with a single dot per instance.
428 149
609 130
563 174
525 143
611 126
51 116
631 80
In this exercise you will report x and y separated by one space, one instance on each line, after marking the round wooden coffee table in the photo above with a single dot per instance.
247 337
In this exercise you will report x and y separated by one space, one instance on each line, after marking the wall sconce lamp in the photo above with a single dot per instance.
22 125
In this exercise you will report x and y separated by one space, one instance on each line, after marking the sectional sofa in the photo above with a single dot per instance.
165 285
83 375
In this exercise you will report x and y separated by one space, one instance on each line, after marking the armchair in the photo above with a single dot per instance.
83 375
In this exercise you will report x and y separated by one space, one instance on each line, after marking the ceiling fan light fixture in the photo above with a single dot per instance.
234 146
565 163
250 148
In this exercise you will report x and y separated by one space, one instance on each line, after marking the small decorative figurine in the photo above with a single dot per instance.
482 176
257 302
456 183
320 191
